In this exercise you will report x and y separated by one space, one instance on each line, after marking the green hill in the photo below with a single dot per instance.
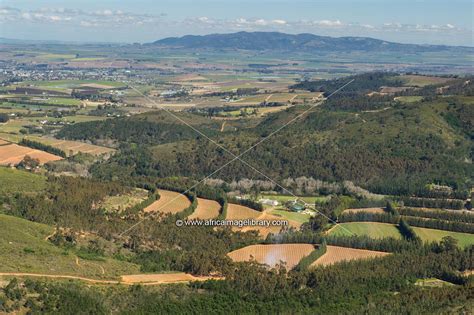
14 180
24 248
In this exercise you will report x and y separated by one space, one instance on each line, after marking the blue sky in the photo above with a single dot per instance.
425 21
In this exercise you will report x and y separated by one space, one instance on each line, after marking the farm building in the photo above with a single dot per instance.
295 206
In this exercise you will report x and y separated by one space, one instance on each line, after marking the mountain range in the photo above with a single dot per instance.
260 41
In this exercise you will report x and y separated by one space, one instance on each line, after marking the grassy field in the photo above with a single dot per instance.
293 216
14 180
431 235
24 248
381 230
371 229
409 99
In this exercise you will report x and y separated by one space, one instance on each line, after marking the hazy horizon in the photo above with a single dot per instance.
427 22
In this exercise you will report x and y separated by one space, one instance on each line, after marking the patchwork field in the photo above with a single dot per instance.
274 254
74 147
13 154
206 209
335 254
169 202
371 229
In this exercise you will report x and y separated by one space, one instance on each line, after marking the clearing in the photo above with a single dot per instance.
125 201
274 254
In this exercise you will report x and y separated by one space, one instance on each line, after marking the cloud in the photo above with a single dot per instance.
98 18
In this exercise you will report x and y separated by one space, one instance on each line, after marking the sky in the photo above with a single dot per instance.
407 21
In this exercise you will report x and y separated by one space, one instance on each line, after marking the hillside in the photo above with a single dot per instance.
24 248
388 151
290 42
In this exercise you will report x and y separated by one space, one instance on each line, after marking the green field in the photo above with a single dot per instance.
293 216
13 180
431 235
24 248
381 230
371 229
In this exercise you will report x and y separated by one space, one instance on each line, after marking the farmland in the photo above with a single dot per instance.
381 230
431 235
336 254
169 202
371 229
293 216
136 125
73 147
238 212
206 209
272 255
14 154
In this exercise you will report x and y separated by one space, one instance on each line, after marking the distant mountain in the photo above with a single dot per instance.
288 42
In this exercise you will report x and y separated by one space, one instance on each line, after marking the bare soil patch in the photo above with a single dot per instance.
206 209
335 254
273 254
169 202
13 154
